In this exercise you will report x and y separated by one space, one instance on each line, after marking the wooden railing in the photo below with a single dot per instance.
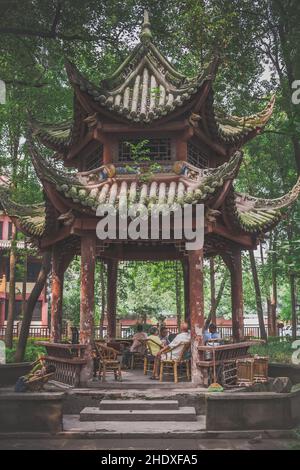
43 332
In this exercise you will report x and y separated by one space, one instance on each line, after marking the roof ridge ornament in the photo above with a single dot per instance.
146 34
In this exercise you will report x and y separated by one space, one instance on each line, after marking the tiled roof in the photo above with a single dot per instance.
184 184
31 218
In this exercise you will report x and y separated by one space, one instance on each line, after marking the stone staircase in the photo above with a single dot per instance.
135 418
139 410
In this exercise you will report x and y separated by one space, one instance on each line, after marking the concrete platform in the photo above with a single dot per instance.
139 404
135 379
95 414
73 426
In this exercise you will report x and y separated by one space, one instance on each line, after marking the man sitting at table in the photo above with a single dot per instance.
211 334
138 345
174 349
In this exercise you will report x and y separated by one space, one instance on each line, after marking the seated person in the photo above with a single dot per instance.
176 346
138 345
209 334
171 337
154 342
164 336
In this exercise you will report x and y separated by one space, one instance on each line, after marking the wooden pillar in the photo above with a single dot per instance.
57 295
87 302
186 284
234 264
196 311
112 278
212 291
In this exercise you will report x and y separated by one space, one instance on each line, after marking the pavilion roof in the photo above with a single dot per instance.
83 192
179 183
145 89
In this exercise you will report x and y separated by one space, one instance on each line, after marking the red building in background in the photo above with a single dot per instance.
40 315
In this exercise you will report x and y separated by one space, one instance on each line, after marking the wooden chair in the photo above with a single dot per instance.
149 358
108 361
137 360
174 365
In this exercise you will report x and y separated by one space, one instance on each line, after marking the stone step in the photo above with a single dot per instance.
184 413
133 430
138 405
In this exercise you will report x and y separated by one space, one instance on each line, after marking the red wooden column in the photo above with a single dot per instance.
186 285
87 302
234 264
112 278
57 295
196 298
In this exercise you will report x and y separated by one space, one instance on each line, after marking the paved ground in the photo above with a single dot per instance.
147 444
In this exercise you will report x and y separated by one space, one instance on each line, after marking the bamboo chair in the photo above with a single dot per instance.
137 358
108 361
36 384
172 366
149 358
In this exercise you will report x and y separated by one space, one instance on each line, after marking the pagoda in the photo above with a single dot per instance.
198 154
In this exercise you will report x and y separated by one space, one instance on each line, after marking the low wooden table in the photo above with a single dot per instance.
67 359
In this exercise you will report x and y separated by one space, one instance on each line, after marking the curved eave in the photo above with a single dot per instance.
29 219
53 136
235 130
257 216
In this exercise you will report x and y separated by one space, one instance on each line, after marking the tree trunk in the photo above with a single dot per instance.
212 290
30 305
12 291
218 299
293 305
266 285
24 283
273 306
260 313
112 280
103 298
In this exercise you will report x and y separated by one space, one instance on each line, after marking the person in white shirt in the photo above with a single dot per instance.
176 345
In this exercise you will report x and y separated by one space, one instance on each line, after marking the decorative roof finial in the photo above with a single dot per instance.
146 35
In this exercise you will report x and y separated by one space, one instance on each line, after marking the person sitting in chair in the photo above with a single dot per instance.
138 345
175 346
154 341
164 336
211 334
154 346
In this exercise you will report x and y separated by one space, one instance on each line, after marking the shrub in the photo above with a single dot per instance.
33 351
